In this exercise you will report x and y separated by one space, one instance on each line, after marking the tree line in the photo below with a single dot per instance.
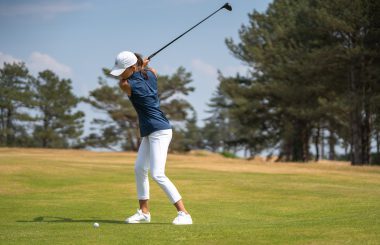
314 80
43 111
120 129
313 84
37 111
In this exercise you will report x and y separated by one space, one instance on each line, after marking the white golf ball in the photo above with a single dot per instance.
96 225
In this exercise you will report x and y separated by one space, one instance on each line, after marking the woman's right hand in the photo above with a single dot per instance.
145 62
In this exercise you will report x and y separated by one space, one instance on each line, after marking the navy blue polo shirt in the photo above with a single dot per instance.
144 98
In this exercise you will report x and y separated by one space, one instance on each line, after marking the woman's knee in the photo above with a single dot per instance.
139 169
159 177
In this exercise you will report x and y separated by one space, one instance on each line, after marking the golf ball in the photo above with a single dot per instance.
96 225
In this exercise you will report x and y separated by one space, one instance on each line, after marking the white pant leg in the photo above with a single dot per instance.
159 143
141 170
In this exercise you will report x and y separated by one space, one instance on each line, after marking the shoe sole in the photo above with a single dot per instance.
183 224
136 222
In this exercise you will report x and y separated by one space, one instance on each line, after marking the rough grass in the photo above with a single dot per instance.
55 196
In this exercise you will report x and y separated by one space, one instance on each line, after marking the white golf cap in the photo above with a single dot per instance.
124 60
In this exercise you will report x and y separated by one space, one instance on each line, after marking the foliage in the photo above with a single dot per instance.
120 128
228 154
57 122
312 67
15 99
37 112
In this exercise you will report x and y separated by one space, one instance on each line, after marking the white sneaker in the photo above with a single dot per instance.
138 217
183 219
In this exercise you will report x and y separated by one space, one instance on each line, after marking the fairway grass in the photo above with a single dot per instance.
55 196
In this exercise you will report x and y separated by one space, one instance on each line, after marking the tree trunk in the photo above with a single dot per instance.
367 127
300 146
287 152
297 148
3 127
305 143
45 138
356 141
9 129
360 126
316 143
322 143
332 143
345 147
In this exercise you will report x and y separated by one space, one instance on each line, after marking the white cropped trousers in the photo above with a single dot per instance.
152 155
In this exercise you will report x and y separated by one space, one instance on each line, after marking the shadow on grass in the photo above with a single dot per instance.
51 219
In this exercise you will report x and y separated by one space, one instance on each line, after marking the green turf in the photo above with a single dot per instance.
56 198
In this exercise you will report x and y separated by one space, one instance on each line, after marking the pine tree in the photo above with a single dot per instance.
222 130
354 38
15 101
172 91
315 64
121 129
278 101
58 125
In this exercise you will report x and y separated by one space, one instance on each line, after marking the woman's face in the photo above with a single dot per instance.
128 72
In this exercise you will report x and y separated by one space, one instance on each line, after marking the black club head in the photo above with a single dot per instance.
227 6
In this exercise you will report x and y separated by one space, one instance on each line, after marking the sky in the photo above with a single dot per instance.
76 39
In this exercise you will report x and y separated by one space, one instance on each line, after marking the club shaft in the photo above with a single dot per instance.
152 55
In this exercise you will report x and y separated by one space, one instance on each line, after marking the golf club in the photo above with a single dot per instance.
225 6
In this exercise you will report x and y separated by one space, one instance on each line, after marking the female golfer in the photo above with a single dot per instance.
141 86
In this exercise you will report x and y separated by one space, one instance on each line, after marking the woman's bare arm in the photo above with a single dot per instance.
124 85
145 63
